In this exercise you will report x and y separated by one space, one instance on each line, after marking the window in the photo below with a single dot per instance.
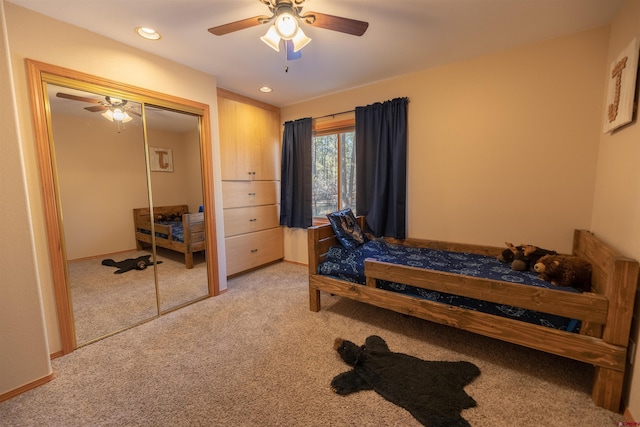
333 161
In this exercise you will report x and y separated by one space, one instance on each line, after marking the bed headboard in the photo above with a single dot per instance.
320 239
142 214
615 277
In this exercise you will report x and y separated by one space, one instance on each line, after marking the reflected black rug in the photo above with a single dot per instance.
433 392
129 264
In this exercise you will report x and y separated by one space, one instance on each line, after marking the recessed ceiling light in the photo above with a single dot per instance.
148 33
265 89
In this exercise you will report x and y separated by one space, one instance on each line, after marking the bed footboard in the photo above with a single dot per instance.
193 228
194 241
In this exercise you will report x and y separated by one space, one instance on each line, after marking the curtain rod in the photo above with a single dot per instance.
337 114
334 114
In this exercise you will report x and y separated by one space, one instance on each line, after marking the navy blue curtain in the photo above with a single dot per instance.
381 166
295 185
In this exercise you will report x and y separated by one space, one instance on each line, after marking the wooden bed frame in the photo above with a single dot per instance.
605 312
193 227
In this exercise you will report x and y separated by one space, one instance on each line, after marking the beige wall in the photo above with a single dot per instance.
24 353
34 36
500 148
508 147
183 185
102 177
616 208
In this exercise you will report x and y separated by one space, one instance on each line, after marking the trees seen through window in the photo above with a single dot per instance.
333 172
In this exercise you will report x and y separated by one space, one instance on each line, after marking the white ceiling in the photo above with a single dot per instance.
404 36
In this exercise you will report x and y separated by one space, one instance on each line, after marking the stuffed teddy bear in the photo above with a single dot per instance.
169 217
565 270
523 257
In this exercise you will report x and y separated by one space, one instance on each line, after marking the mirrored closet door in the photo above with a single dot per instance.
101 174
175 175
130 223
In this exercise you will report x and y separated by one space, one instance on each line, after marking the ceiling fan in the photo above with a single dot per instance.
111 108
286 16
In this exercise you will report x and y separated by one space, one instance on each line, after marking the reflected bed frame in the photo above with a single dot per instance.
192 226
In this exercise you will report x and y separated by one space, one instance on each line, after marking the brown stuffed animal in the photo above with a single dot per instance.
523 257
564 270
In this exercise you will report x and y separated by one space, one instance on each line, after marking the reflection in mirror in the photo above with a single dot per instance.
101 175
94 172
176 181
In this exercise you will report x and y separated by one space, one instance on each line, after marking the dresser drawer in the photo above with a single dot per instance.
246 220
236 194
254 249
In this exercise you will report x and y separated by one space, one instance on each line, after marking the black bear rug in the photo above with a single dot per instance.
129 264
433 392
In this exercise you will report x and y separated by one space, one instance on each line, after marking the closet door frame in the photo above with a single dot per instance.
39 74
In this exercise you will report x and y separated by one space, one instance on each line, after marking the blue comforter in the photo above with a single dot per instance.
177 232
349 265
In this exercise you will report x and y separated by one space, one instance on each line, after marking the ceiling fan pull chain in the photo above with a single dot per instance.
286 56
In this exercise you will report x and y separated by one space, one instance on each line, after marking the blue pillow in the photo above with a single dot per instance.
347 229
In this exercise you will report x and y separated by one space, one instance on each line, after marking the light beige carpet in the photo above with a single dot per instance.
104 302
256 356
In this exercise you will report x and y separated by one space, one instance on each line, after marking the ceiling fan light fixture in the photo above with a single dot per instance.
272 38
108 115
118 115
300 40
286 25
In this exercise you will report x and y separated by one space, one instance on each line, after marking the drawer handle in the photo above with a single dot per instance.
252 194
253 251
253 219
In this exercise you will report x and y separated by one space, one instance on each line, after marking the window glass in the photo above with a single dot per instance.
333 172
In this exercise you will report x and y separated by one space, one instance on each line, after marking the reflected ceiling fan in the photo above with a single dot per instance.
286 16
113 109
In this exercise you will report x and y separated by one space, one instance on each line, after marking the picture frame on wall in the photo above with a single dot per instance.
160 159
621 89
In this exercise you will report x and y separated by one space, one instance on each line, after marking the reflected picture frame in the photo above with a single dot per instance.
160 159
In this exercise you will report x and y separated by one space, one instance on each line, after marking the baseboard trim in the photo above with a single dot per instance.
628 418
37 383
296 262
56 355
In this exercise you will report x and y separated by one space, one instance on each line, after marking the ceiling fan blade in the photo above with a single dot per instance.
77 98
96 109
335 23
238 25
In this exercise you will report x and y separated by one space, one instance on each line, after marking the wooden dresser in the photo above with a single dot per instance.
250 167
